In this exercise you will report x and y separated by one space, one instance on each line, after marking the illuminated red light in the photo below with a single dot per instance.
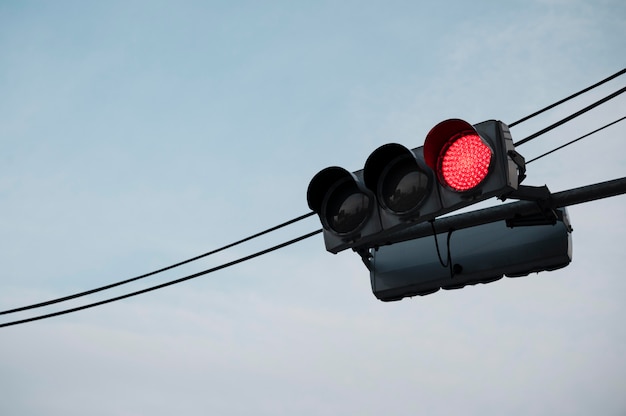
464 163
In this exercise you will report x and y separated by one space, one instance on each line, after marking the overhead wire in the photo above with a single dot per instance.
576 94
133 279
287 243
575 140
162 285
570 117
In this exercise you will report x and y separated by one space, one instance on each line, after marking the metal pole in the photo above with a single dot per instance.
516 209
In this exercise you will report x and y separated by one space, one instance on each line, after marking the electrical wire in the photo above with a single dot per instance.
162 285
597 84
575 140
570 117
443 264
447 263
122 282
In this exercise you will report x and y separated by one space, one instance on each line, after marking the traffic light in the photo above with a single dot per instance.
458 165
472 163
346 207
479 254
403 184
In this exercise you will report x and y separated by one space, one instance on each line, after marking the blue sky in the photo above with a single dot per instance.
137 134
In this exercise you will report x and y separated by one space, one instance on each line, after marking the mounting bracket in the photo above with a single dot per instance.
543 197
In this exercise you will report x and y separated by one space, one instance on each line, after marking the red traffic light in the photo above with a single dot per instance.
460 164
461 158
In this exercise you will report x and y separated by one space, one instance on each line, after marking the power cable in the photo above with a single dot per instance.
575 140
570 117
597 84
448 262
112 285
162 285
122 282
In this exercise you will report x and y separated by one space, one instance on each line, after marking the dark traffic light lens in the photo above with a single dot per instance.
403 186
347 208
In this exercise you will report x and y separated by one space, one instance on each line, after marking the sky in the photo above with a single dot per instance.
136 134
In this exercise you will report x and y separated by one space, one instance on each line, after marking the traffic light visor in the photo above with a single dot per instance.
400 182
461 158
342 203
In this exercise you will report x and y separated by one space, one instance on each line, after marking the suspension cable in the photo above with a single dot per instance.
575 140
597 84
162 285
122 282
570 117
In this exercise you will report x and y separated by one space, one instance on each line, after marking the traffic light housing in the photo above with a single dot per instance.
479 254
458 165
347 209
403 184
472 163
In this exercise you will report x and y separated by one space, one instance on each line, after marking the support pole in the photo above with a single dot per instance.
516 209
